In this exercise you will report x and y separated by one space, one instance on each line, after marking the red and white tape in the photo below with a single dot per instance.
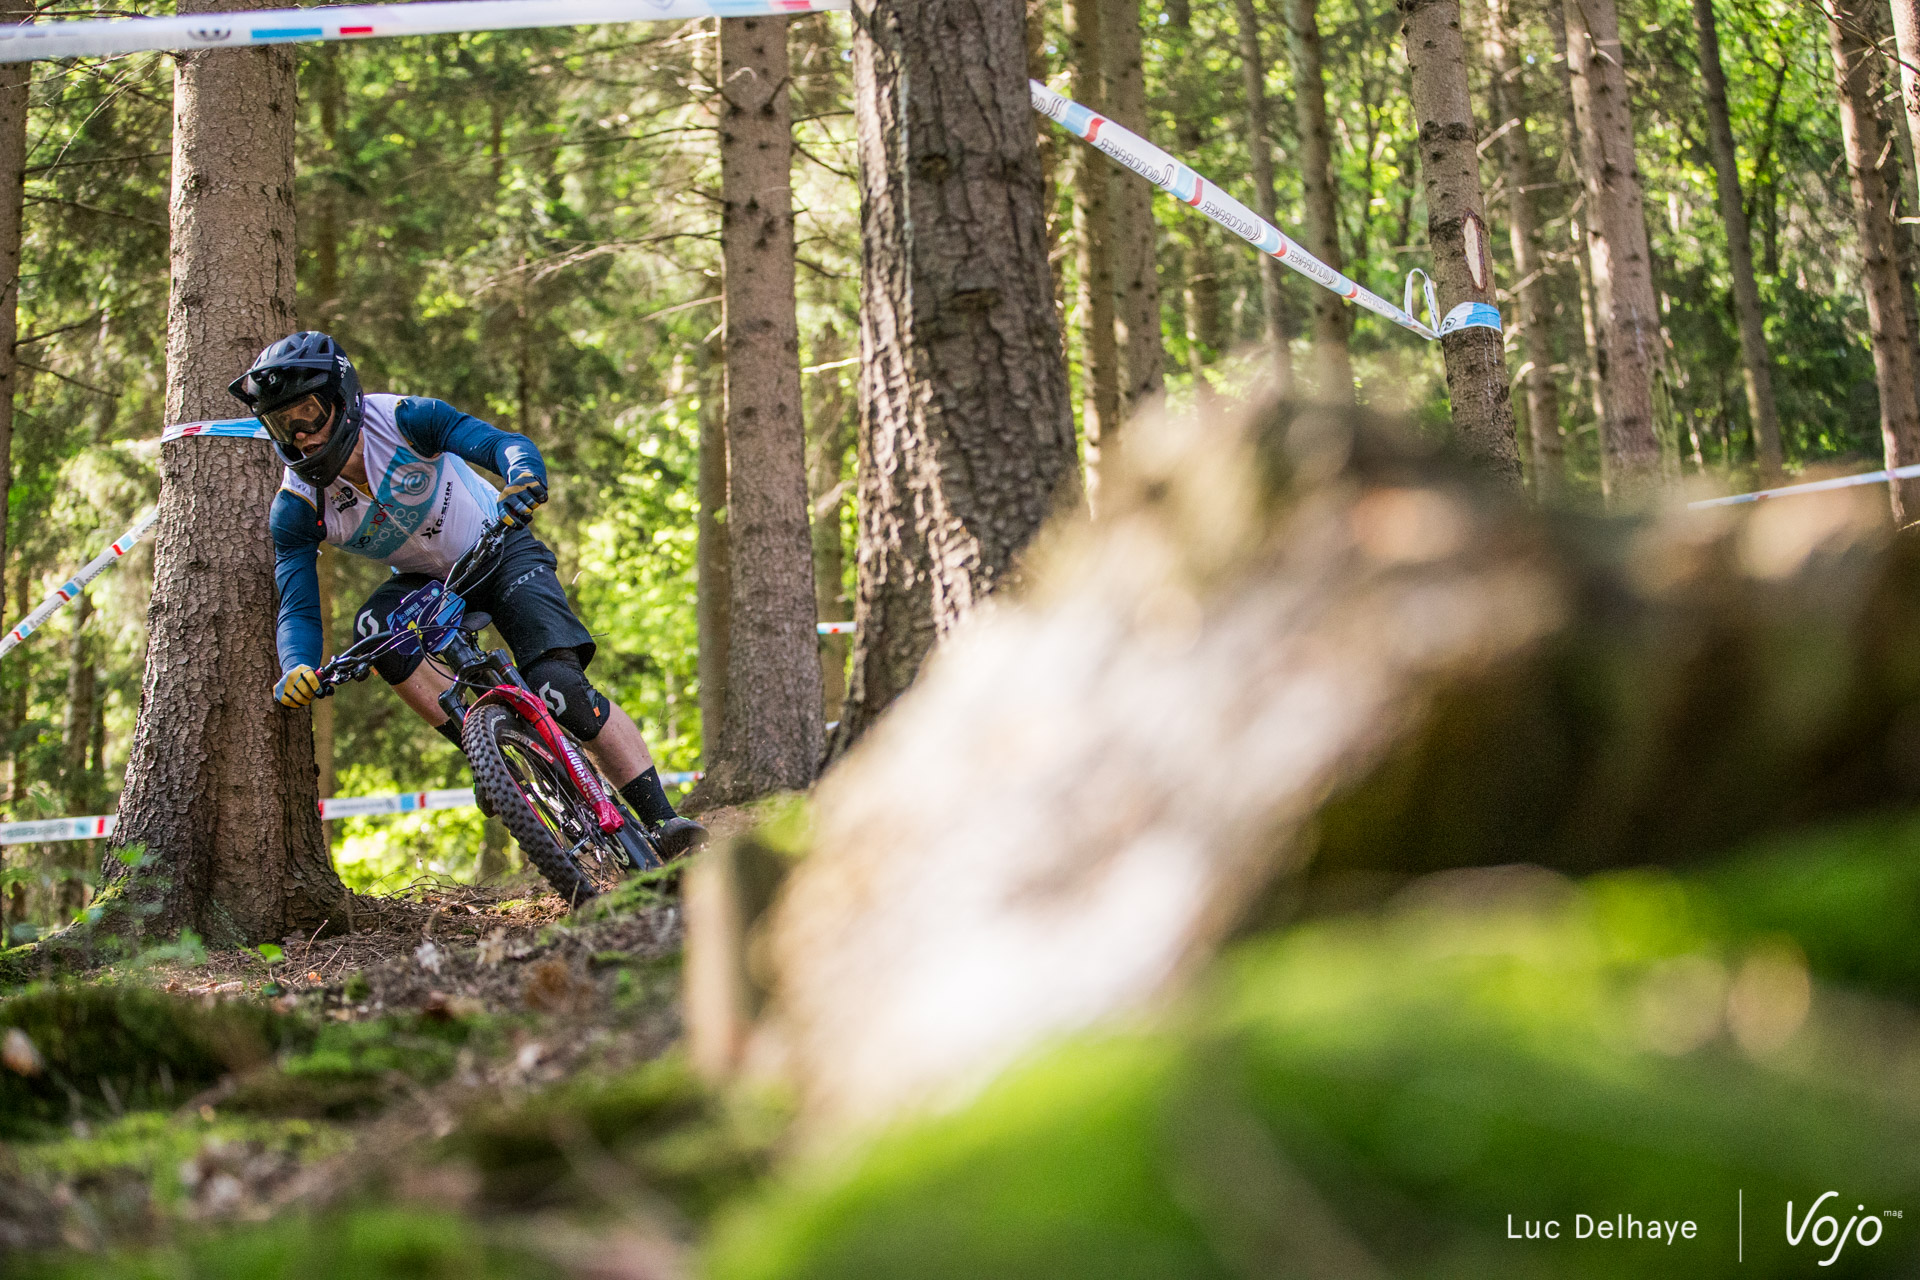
92 38
73 586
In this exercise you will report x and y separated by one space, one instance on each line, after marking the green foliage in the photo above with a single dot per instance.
107 1049
154 1144
1396 1086
369 1243
659 1125
353 1069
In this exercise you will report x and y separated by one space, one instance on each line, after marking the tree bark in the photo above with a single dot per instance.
1457 232
14 80
324 567
1756 362
220 783
1533 301
1142 350
1093 176
965 420
1273 295
771 735
713 603
1320 198
826 491
1893 351
1628 316
76 784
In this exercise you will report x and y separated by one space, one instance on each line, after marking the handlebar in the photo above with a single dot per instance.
354 662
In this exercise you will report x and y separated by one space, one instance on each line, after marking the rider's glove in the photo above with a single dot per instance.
298 687
523 493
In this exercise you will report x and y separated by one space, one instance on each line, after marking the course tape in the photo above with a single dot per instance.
1814 486
73 586
1134 152
836 628
92 38
239 428
49 830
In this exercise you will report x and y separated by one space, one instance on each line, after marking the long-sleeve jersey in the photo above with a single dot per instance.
428 507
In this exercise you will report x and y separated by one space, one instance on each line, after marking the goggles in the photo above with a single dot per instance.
307 416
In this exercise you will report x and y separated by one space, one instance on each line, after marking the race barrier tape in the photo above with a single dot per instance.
836 628
77 583
239 428
1132 151
90 38
26 42
1814 486
50 830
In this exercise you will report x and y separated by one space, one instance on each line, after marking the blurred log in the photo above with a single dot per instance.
1302 636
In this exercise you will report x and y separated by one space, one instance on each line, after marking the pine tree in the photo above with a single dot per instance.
1851 34
220 795
1626 313
1533 310
1756 361
966 429
1457 232
770 734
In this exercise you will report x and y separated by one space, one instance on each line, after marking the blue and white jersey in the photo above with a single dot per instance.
425 510
427 506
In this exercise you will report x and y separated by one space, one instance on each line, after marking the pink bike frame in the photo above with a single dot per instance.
530 708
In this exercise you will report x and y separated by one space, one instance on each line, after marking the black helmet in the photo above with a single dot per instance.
298 385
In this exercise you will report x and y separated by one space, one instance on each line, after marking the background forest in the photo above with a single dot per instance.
526 224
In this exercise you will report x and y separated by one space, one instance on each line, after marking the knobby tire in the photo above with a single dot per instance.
520 807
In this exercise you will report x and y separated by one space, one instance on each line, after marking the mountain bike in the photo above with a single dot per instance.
527 770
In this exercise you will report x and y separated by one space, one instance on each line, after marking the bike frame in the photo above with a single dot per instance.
457 647
533 709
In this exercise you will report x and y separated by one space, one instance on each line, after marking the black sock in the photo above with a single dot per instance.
648 798
450 730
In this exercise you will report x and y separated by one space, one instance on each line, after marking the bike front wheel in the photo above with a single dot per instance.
535 796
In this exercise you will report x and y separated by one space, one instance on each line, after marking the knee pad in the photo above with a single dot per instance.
578 706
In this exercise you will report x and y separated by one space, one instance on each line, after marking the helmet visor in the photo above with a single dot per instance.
295 423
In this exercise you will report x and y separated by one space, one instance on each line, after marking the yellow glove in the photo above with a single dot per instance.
524 492
298 687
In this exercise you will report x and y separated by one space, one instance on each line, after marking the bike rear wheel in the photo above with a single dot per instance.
535 797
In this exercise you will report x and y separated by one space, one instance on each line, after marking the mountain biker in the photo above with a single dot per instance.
387 477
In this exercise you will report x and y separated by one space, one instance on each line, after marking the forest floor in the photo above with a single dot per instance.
477 1055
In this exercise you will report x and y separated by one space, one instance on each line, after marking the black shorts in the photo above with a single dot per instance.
522 592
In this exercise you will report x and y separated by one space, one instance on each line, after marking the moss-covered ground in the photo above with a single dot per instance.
1369 1094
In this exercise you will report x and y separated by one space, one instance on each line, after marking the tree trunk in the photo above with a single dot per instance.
220 783
1273 295
1200 286
1457 233
1627 315
1135 238
325 566
713 604
1893 350
1756 362
77 727
826 491
14 78
771 733
1533 300
1319 196
966 426
76 785
1093 176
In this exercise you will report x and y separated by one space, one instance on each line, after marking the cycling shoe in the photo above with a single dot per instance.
676 836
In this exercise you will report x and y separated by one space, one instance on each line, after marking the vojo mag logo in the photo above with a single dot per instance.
1822 1230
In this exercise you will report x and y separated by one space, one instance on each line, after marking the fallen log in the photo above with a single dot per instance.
1305 642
